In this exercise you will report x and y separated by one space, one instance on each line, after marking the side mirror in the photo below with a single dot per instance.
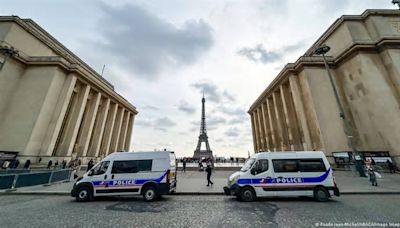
253 172
90 172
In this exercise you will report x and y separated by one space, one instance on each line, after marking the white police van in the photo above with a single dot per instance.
270 174
150 174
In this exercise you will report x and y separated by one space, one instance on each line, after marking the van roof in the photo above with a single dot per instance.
139 155
290 154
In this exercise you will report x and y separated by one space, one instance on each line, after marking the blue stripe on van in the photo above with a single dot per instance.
285 180
127 182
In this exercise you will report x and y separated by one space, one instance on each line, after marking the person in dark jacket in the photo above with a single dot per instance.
390 166
16 164
27 164
184 165
208 170
49 164
90 164
63 164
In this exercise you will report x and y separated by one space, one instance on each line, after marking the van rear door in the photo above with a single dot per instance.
173 169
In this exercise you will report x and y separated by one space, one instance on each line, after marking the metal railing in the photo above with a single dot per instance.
36 177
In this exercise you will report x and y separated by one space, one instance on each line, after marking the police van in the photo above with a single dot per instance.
150 174
270 174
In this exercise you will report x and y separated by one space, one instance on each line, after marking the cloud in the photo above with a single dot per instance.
164 122
186 107
212 93
232 132
145 43
260 54
160 124
150 107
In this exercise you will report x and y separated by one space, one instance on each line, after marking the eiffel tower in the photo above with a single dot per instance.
198 153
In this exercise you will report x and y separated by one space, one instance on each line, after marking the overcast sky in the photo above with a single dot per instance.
162 55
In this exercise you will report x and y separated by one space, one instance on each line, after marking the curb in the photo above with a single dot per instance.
186 193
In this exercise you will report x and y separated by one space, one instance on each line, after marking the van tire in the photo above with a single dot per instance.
321 194
247 194
150 193
84 194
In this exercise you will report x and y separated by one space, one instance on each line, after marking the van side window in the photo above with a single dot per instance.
131 166
260 166
285 165
101 168
312 165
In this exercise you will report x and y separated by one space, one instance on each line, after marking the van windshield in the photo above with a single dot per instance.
248 165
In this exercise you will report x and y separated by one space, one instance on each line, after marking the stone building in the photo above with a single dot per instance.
298 110
52 104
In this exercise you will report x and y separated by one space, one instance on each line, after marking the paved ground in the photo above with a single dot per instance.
195 182
195 211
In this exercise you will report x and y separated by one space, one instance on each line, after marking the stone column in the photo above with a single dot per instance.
54 129
87 125
99 127
273 124
117 130
262 128
107 134
124 128
266 126
129 132
253 130
300 112
291 119
71 130
280 116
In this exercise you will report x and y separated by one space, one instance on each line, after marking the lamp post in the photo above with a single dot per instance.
8 53
348 131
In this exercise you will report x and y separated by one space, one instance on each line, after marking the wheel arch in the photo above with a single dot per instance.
147 184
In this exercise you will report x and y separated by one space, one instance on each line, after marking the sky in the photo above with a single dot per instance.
162 55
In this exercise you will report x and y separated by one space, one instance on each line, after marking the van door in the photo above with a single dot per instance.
99 175
127 176
287 177
262 178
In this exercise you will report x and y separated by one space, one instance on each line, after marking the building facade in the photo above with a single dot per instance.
298 110
52 104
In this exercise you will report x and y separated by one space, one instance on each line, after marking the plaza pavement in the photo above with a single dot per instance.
194 183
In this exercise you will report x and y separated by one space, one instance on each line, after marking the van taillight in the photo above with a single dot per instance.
168 172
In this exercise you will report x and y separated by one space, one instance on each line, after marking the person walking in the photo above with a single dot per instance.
372 176
16 164
56 165
184 165
49 164
390 166
209 170
90 165
63 164
27 164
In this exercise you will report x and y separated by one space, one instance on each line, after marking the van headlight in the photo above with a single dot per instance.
232 179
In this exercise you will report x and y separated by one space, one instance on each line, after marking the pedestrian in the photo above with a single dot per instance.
390 166
49 164
184 165
16 164
27 164
90 165
63 164
56 164
200 166
372 176
40 159
209 170
372 162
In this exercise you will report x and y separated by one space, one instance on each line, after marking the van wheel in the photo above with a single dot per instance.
321 194
247 194
83 194
150 194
